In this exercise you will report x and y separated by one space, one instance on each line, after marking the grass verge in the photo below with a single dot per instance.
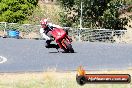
55 80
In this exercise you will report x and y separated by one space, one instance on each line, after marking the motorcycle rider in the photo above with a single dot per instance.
45 32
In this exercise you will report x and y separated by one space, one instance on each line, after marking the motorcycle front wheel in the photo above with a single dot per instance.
69 47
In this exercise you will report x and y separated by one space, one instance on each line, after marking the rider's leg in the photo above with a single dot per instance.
45 36
48 45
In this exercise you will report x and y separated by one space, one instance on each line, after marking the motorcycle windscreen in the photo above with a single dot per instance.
58 33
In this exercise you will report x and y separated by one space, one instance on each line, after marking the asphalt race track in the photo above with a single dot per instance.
23 55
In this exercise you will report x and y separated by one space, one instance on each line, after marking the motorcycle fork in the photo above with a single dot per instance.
63 43
68 39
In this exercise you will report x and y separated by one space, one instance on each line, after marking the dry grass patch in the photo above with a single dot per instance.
54 80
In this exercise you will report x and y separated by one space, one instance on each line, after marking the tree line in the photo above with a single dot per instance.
95 13
16 10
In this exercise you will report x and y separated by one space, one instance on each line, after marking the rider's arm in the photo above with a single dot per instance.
54 25
57 26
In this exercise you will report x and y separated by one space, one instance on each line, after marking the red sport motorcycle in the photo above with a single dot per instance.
62 39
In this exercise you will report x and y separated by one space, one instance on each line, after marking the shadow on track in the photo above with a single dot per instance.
60 52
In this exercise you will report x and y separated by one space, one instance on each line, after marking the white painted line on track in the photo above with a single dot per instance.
2 59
